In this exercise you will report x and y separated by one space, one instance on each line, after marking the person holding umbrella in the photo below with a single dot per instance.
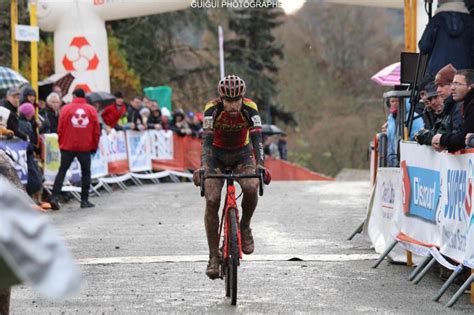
78 136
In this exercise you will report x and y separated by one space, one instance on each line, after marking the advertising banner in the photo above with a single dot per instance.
161 144
52 161
139 151
16 150
117 152
99 164
382 210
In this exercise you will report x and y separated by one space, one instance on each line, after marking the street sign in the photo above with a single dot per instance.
25 33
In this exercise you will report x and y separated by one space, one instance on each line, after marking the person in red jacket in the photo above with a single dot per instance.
112 113
78 135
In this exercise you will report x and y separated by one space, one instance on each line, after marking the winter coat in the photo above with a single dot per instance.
51 120
9 113
78 128
456 140
112 114
449 121
449 39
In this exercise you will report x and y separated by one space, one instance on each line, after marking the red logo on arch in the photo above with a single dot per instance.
80 56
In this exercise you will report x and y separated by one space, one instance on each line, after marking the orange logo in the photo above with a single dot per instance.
80 56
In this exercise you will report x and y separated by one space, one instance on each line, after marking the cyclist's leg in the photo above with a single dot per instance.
213 188
249 187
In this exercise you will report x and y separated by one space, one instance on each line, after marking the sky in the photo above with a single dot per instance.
291 6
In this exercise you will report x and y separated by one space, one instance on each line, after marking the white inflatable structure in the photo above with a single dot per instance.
80 36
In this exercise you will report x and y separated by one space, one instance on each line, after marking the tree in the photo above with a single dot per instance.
251 54
177 49
122 78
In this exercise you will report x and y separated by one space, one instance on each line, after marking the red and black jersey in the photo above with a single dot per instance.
229 132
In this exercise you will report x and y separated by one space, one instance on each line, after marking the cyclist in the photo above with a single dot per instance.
231 139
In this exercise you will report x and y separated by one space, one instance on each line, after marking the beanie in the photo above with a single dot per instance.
446 75
27 109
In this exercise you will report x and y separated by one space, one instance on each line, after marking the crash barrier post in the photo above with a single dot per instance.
425 207
382 149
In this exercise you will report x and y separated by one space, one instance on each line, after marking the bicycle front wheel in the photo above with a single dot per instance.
233 263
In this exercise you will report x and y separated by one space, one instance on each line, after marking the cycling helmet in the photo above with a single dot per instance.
231 86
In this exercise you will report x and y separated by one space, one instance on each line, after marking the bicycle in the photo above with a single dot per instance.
231 242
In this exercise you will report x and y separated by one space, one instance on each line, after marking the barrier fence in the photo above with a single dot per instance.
121 153
426 207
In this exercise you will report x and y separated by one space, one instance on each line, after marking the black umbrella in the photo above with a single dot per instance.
271 130
103 98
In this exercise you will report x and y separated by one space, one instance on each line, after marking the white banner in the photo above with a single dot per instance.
436 201
117 147
382 210
162 144
99 165
139 151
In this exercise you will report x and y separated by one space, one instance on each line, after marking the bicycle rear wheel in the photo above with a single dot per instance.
231 268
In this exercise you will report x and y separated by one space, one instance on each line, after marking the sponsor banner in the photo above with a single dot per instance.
117 152
420 202
139 151
161 144
52 161
436 200
382 210
16 149
99 164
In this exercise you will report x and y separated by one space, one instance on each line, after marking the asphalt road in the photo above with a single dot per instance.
144 251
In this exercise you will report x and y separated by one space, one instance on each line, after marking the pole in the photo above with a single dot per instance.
14 22
34 48
221 51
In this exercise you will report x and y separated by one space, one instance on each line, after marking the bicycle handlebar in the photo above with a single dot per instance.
233 177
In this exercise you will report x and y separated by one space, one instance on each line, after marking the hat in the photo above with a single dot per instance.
79 93
27 109
13 91
431 90
118 94
424 82
190 114
446 75
144 110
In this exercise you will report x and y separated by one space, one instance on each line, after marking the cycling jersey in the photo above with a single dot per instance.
230 132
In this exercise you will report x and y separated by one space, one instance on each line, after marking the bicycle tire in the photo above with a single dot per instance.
233 256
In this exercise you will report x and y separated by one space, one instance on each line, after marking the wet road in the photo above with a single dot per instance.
144 251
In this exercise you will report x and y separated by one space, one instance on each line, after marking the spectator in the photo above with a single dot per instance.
112 114
9 112
450 27
142 124
165 122
435 103
429 117
147 102
51 112
154 122
282 146
78 135
461 88
193 124
133 114
443 80
26 123
179 125
34 185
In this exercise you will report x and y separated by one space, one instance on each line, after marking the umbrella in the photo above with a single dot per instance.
271 130
388 76
63 80
103 98
10 78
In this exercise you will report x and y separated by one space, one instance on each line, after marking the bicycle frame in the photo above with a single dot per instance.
230 202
